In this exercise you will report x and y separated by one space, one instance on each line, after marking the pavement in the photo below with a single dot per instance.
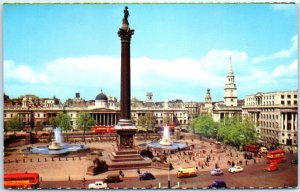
75 168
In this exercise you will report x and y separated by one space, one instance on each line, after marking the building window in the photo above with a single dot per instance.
282 102
295 141
282 96
4 115
295 102
282 134
295 96
288 96
288 102
11 115
282 141
38 115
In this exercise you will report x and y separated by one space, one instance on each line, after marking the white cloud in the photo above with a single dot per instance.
100 72
286 70
169 77
284 53
23 73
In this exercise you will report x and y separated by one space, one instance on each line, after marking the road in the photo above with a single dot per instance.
253 176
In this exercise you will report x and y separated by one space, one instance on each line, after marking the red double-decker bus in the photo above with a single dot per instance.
21 180
252 148
275 156
172 127
103 129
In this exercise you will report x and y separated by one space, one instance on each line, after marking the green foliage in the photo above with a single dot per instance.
85 121
147 121
14 124
205 125
167 120
62 120
236 131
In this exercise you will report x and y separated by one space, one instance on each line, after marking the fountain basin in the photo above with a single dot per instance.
173 147
165 141
55 146
63 150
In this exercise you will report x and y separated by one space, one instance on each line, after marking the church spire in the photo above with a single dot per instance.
230 95
230 71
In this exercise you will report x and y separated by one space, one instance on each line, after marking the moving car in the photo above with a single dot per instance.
235 169
272 167
115 178
218 184
186 172
98 185
146 176
216 172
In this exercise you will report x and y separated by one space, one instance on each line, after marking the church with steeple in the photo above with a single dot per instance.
231 105
230 95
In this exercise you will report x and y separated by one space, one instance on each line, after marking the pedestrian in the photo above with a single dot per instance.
216 166
246 162
121 173
254 160
138 171
232 164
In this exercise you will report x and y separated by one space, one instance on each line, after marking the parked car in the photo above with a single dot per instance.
272 167
294 161
115 178
216 172
218 184
146 176
235 169
98 185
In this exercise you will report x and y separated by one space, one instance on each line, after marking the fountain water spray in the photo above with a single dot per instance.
58 139
166 140
57 135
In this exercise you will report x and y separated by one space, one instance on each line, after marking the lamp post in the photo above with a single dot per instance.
169 166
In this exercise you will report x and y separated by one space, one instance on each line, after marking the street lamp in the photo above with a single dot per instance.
169 167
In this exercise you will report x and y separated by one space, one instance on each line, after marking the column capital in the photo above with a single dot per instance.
125 34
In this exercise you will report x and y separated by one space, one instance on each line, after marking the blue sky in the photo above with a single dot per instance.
177 51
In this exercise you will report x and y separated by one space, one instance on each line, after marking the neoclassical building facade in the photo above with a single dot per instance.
35 112
275 115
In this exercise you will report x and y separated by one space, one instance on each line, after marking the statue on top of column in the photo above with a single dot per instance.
126 15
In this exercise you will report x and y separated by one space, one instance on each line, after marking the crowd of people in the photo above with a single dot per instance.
207 156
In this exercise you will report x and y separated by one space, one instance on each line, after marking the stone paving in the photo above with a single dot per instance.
75 167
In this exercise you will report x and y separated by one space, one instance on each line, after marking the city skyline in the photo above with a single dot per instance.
61 49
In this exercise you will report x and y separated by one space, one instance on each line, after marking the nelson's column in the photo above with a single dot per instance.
125 155
125 128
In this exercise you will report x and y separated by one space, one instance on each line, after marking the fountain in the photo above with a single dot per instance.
166 143
166 140
56 147
58 140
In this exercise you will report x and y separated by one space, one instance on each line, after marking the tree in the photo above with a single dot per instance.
148 121
62 120
167 120
85 121
14 124
205 125
237 132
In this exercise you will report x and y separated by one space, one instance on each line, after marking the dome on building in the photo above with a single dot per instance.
101 96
